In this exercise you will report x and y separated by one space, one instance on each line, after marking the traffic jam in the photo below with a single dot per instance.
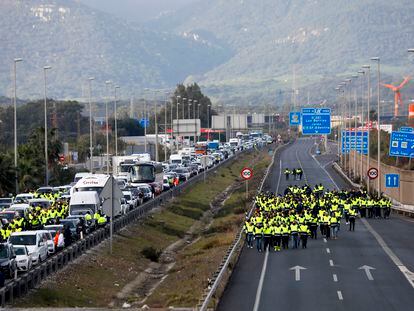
38 224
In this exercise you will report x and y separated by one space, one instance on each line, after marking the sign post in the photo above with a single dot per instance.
247 173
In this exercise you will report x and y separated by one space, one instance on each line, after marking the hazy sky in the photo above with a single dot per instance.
136 9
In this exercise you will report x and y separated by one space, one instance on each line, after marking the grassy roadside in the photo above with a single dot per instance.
96 278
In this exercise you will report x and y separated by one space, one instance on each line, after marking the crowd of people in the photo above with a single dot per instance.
282 222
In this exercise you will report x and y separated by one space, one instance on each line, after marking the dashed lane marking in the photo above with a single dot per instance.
328 250
335 278
260 287
340 297
331 263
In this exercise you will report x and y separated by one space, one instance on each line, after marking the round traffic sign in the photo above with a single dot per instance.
372 173
246 173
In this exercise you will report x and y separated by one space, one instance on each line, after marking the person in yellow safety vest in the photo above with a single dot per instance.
304 232
294 232
267 236
102 220
277 236
352 216
287 173
258 235
88 217
334 226
248 230
285 235
96 216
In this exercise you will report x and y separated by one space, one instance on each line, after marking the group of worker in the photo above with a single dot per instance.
296 172
279 222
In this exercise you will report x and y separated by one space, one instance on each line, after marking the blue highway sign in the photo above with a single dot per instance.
392 180
294 118
316 121
350 141
402 144
144 122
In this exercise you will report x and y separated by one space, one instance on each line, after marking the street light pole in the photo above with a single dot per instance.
116 122
107 83
178 122
377 59
90 124
355 123
45 68
156 131
361 149
368 67
165 128
208 122
195 101
16 60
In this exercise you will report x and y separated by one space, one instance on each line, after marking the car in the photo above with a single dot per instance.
121 183
5 203
45 190
125 208
53 229
8 264
23 259
72 223
49 241
7 216
146 190
22 209
136 194
132 202
34 241
23 198
156 188
184 173
43 203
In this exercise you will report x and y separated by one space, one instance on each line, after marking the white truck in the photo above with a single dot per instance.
83 201
235 143
106 187
176 159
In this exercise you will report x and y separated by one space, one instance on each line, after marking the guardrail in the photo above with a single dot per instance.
22 284
233 251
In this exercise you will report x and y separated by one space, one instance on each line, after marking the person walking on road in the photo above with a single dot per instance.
352 216
287 173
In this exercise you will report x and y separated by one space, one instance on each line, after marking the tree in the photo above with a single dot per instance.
7 174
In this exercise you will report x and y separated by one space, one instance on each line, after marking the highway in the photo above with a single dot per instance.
368 269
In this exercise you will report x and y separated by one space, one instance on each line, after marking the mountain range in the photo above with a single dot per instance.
240 51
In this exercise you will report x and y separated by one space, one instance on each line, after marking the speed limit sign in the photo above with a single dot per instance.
246 173
372 173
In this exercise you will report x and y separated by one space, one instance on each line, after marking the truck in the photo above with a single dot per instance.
106 187
213 145
201 148
84 201
235 143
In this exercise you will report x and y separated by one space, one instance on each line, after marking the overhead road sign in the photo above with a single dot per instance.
294 118
402 144
316 121
355 140
372 173
392 180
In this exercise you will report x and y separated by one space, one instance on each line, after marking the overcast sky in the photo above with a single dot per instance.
136 9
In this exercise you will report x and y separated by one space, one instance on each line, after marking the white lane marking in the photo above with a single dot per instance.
404 270
328 250
325 240
280 174
335 278
260 287
324 169
340 297
331 262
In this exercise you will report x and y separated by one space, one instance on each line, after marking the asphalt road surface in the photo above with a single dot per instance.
368 269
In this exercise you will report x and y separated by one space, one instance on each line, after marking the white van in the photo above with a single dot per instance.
176 159
35 241
83 201
49 241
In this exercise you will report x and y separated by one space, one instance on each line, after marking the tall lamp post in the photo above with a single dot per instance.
107 83
368 68
361 149
178 122
378 61
90 124
116 121
208 122
195 101
46 68
165 127
16 60
354 173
